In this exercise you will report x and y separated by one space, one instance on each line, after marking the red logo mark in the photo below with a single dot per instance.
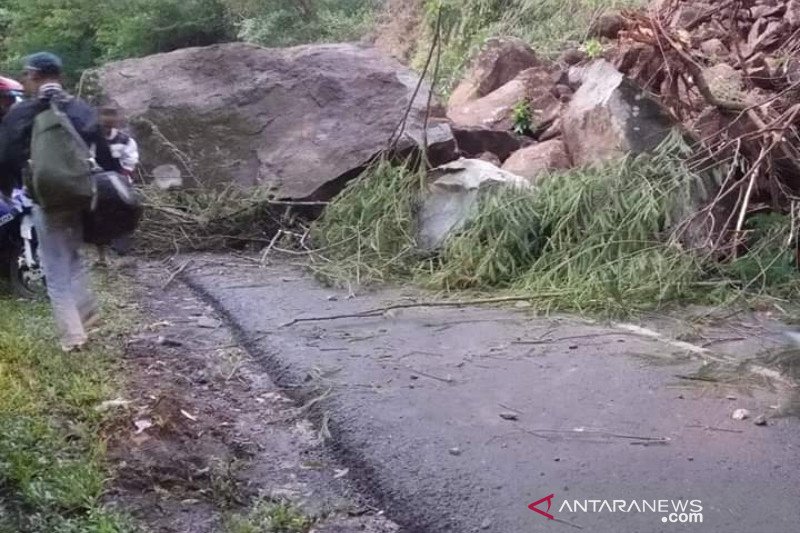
546 514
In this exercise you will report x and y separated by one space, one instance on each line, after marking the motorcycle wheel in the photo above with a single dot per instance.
28 283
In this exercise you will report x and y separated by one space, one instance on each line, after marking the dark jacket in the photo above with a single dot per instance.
17 126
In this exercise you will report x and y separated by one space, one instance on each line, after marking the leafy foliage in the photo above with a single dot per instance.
522 117
593 48
544 24
86 33
593 239
290 22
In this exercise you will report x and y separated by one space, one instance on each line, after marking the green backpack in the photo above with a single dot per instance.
61 163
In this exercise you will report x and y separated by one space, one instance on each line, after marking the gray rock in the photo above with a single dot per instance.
452 197
167 177
610 116
300 121
741 414
714 48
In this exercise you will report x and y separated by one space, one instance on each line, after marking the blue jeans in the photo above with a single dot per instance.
60 235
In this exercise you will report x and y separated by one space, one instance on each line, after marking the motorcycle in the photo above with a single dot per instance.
18 247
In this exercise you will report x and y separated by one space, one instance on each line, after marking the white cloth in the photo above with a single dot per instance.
124 149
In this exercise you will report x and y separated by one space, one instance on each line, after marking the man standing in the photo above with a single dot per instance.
60 230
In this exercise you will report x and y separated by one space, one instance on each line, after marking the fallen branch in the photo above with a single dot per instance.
596 432
382 310
447 380
175 274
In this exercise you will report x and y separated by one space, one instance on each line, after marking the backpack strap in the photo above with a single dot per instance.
67 124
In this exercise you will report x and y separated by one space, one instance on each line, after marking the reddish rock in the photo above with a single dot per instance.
489 157
714 48
573 56
499 62
792 15
495 110
538 160
608 26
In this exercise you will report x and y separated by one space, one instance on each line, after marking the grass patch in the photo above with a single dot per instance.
545 24
52 470
270 517
367 233
591 240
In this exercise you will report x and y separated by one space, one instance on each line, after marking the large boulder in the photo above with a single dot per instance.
300 121
499 61
452 198
496 110
610 116
538 160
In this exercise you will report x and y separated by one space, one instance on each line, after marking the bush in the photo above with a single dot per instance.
291 22
86 33
545 24
594 239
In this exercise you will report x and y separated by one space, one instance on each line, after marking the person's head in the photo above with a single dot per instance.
41 68
109 118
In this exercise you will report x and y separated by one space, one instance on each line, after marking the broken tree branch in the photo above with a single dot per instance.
177 273
381 310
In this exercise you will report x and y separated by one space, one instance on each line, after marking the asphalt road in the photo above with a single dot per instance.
458 419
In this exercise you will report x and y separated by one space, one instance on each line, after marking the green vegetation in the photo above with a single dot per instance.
52 471
87 33
545 24
290 22
522 117
593 48
368 232
593 239
270 517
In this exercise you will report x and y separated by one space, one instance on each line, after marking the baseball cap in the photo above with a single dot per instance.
44 63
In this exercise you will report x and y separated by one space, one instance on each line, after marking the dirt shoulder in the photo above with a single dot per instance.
207 435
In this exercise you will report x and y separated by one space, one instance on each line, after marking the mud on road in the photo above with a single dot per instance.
206 433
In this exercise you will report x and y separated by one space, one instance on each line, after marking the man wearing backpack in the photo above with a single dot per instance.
54 139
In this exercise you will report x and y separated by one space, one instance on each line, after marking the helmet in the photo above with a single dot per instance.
7 84
12 88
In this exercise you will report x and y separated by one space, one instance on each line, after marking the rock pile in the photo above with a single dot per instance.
725 74
730 72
